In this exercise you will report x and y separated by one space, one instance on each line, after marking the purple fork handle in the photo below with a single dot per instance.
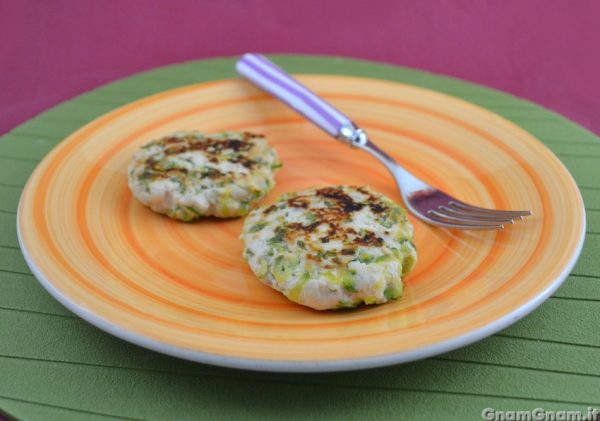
276 81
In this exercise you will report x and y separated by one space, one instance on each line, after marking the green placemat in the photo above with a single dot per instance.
54 365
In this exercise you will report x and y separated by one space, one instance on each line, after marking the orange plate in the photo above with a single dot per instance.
185 290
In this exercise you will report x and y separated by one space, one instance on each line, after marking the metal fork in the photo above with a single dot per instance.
424 201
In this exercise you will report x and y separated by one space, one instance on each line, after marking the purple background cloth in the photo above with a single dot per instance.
544 51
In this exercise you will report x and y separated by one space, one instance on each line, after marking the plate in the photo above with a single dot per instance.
183 289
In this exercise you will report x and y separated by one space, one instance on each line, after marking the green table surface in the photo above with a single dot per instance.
55 366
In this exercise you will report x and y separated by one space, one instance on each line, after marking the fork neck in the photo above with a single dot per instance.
357 138
405 180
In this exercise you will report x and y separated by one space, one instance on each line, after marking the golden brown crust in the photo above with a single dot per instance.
340 208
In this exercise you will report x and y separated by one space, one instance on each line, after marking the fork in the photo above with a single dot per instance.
429 204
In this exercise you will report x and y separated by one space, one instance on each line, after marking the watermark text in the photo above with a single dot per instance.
540 414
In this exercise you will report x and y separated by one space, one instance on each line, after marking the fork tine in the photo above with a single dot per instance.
477 210
476 217
452 221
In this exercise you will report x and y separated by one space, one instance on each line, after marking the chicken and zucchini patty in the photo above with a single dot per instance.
188 175
331 247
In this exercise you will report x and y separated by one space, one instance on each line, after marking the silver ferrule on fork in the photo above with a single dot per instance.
353 135
357 138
